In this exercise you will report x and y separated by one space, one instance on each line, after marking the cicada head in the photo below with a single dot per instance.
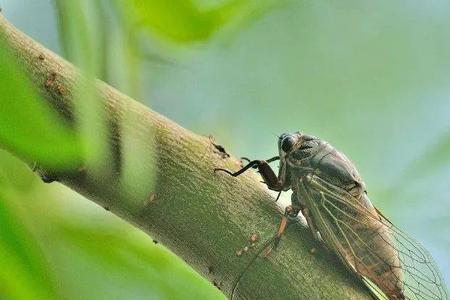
294 150
297 146
288 143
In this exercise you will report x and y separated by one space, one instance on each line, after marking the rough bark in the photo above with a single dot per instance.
201 216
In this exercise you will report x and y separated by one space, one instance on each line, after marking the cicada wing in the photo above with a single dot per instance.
382 255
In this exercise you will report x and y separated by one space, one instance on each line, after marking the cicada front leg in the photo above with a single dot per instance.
268 175
273 183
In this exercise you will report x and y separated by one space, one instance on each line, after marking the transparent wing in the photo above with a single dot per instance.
383 256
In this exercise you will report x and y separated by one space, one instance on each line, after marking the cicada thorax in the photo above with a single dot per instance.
328 184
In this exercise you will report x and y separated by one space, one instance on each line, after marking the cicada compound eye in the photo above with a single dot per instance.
287 143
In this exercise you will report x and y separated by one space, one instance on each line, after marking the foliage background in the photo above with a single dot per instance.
372 78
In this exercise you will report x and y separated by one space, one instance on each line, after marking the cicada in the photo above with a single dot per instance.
330 194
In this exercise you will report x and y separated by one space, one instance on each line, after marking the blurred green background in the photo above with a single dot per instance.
370 77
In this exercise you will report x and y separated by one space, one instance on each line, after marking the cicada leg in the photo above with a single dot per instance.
290 213
297 202
311 224
268 175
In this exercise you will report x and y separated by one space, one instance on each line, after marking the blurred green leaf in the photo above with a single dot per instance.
23 272
185 20
14 174
82 33
132 262
28 127
82 36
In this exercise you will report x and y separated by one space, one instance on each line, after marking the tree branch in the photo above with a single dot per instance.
201 216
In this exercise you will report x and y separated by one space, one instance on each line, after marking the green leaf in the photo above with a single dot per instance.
23 272
82 35
184 20
28 127
134 266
